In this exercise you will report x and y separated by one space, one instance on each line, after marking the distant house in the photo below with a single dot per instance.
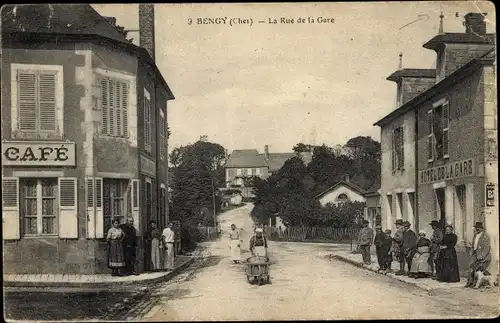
246 163
342 192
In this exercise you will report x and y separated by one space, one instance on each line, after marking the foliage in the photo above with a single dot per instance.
303 148
248 181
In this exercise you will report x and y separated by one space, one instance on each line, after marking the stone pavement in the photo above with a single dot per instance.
98 280
427 284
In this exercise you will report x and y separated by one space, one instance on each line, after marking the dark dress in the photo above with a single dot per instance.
448 261
129 247
382 244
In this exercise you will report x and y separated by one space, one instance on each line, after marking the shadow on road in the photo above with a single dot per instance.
210 261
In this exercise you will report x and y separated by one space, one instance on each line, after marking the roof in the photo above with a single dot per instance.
459 38
71 22
373 190
350 185
412 72
245 158
276 160
453 78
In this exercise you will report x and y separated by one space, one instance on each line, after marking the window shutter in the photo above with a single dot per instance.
68 208
430 136
125 109
105 103
446 124
393 150
402 148
90 200
47 101
118 111
27 101
99 213
10 209
111 107
136 189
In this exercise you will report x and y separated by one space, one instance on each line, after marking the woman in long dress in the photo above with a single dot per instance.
448 260
420 265
116 259
235 244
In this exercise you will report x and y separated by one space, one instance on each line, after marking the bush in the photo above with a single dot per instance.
190 236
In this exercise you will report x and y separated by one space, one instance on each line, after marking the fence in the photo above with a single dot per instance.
208 233
314 234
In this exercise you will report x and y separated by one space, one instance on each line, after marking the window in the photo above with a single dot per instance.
398 149
389 209
430 136
399 206
162 126
257 171
439 131
149 200
163 206
39 206
37 99
238 171
115 197
342 198
249 171
147 120
114 104
461 212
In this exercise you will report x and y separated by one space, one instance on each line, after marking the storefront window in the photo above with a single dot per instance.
39 206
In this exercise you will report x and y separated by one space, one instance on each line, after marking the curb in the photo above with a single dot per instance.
101 285
360 265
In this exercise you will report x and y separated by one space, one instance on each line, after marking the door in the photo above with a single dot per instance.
441 212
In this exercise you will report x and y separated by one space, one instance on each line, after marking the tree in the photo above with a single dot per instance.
303 148
366 154
175 157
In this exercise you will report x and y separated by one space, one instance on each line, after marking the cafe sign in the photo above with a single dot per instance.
449 171
38 153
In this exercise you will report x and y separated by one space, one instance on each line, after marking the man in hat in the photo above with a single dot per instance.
382 246
480 254
409 243
436 238
397 247
365 240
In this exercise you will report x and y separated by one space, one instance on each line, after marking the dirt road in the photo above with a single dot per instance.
305 285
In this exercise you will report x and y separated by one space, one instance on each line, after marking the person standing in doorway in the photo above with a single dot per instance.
129 246
365 241
480 255
409 244
168 236
115 256
154 239
397 246
436 238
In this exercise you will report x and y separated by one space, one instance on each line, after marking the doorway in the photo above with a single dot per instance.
440 206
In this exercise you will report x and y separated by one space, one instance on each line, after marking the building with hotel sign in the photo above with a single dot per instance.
84 136
439 146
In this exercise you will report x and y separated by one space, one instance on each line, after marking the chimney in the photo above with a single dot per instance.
147 28
346 178
227 155
475 24
266 152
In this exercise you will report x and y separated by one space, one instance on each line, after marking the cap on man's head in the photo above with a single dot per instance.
434 223
259 230
399 222
478 225
388 231
365 222
406 224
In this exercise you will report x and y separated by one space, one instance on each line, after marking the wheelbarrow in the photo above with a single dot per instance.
258 270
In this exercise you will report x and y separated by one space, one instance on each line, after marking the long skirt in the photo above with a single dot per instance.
169 256
420 262
260 251
448 266
115 256
155 254
235 250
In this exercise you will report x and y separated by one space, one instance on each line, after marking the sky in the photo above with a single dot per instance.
280 84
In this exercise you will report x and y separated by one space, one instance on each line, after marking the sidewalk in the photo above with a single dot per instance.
427 284
98 280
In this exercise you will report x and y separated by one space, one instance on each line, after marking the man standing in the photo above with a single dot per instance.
409 243
365 240
129 246
397 247
382 248
480 254
169 239
436 238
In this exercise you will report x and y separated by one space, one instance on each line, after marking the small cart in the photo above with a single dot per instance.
258 270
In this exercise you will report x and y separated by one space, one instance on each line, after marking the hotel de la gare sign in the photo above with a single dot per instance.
449 171
30 153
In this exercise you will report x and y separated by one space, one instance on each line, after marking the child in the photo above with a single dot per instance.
388 232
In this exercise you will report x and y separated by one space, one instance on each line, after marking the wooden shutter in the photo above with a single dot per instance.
118 111
27 101
136 189
10 209
446 124
47 101
393 150
401 157
90 200
68 208
430 136
105 103
99 212
125 109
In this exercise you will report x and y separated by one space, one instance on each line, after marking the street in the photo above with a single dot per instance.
305 285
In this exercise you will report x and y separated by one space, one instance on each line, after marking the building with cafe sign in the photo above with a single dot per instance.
451 134
84 124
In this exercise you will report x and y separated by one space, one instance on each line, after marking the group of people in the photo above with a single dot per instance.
258 243
422 257
122 240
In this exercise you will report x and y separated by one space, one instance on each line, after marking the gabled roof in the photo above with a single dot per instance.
246 158
350 185
459 38
73 22
373 190
412 72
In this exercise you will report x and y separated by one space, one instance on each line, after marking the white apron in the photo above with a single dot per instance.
260 251
235 250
